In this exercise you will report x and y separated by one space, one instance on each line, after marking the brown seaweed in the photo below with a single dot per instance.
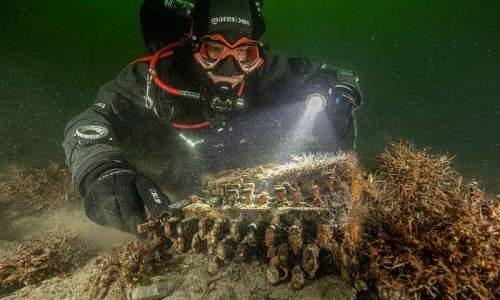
431 234
39 259
128 265
37 190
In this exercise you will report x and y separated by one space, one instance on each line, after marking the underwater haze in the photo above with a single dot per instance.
430 70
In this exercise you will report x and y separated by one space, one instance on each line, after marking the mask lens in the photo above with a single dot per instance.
214 50
247 55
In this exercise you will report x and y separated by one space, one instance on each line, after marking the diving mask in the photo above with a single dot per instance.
215 48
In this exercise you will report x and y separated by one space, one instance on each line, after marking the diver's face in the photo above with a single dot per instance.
228 62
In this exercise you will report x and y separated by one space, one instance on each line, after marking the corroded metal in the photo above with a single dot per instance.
281 199
185 230
324 236
310 262
292 216
247 197
317 198
295 238
214 236
232 196
279 269
298 199
199 242
263 199
247 248
270 241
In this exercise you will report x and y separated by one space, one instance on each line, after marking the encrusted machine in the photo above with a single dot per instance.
294 216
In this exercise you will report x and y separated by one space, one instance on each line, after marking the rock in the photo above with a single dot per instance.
157 290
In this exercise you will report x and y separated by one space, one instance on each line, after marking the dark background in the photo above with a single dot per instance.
430 71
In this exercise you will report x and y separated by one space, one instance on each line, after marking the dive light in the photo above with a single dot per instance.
316 102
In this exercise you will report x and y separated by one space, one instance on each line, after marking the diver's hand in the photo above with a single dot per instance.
118 198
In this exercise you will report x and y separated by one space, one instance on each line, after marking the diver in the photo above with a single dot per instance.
210 96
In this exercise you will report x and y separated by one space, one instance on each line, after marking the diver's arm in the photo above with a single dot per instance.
295 77
114 192
290 79
116 113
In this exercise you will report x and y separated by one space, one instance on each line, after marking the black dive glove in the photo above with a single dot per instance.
119 197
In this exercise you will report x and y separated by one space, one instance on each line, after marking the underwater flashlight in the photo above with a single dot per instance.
316 102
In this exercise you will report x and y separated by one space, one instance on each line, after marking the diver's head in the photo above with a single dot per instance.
226 34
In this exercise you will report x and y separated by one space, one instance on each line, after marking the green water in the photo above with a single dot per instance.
430 69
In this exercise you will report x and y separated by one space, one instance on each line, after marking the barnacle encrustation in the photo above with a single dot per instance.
298 216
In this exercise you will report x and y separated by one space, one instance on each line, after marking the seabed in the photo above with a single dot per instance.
318 227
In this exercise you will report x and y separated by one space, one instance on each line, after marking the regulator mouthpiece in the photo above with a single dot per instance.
221 105
316 102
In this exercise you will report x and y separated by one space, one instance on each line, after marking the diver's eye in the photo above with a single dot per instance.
242 53
214 49
247 54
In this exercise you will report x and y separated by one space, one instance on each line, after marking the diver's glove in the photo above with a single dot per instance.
118 197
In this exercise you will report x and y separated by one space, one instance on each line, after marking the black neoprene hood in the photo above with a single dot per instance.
239 18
